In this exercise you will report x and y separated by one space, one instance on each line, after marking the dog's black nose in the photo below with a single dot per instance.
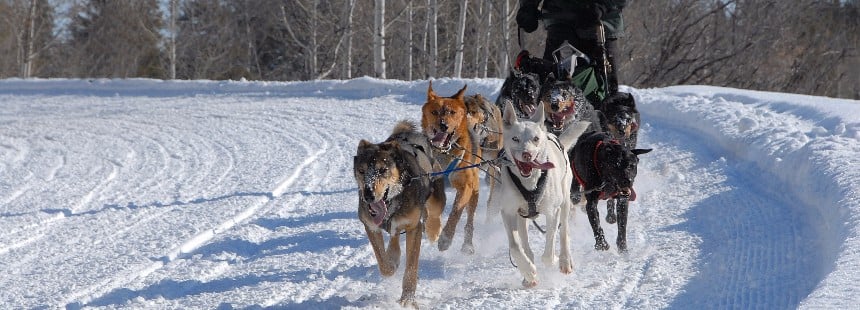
443 126
368 195
554 106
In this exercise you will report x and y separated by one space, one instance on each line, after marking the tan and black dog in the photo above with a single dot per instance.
485 123
445 122
396 196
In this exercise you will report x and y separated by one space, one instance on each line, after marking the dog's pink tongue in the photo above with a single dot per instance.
439 137
542 166
380 212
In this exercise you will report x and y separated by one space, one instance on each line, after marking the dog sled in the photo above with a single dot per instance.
570 64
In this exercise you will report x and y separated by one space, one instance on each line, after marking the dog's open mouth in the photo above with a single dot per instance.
442 140
379 209
527 108
526 168
558 118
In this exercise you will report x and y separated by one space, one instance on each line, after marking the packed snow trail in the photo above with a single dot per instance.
201 194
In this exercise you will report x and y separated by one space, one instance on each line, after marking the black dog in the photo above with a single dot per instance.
605 169
620 119
521 89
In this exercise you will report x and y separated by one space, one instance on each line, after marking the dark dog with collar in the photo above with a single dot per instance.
620 119
605 169
396 196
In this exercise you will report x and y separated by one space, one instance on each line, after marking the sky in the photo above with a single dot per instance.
239 195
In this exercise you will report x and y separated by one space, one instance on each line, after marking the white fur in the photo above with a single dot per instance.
554 204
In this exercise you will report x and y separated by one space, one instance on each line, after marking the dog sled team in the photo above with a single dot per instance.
544 145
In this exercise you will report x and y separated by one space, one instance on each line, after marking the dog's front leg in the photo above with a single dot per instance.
392 255
621 239
463 183
610 211
565 263
377 243
552 219
517 243
435 206
410 276
594 219
469 228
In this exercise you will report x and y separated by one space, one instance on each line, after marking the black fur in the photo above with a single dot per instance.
606 169
521 89
619 111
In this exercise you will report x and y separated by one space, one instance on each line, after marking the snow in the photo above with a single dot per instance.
207 194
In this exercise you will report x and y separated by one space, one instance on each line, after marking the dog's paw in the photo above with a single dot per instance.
443 243
408 303
622 246
529 283
467 249
610 218
565 266
600 244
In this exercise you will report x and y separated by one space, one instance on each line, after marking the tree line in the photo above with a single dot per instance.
802 46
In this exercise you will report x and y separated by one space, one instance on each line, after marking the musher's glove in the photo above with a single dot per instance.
527 17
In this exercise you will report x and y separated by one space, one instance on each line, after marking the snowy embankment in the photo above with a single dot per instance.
206 194
806 146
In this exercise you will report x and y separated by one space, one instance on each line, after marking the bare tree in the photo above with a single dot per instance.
461 32
432 27
349 33
379 38
27 33
171 44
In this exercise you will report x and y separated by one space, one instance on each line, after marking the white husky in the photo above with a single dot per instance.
538 182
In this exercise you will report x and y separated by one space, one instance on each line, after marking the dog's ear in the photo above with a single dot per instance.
638 152
459 94
431 95
363 144
509 115
539 115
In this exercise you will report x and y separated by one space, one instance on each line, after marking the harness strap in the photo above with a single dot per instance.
531 196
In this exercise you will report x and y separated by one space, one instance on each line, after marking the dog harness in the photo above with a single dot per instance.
531 196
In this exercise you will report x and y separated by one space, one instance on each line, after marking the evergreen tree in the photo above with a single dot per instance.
117 39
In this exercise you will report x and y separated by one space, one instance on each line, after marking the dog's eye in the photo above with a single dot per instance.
515 139
435 113
535 139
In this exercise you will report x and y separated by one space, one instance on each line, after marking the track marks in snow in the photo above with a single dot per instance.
757 242
104 291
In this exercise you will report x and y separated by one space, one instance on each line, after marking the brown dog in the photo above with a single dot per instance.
445 122
397 195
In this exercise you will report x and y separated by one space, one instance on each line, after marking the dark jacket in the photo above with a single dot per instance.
575 13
